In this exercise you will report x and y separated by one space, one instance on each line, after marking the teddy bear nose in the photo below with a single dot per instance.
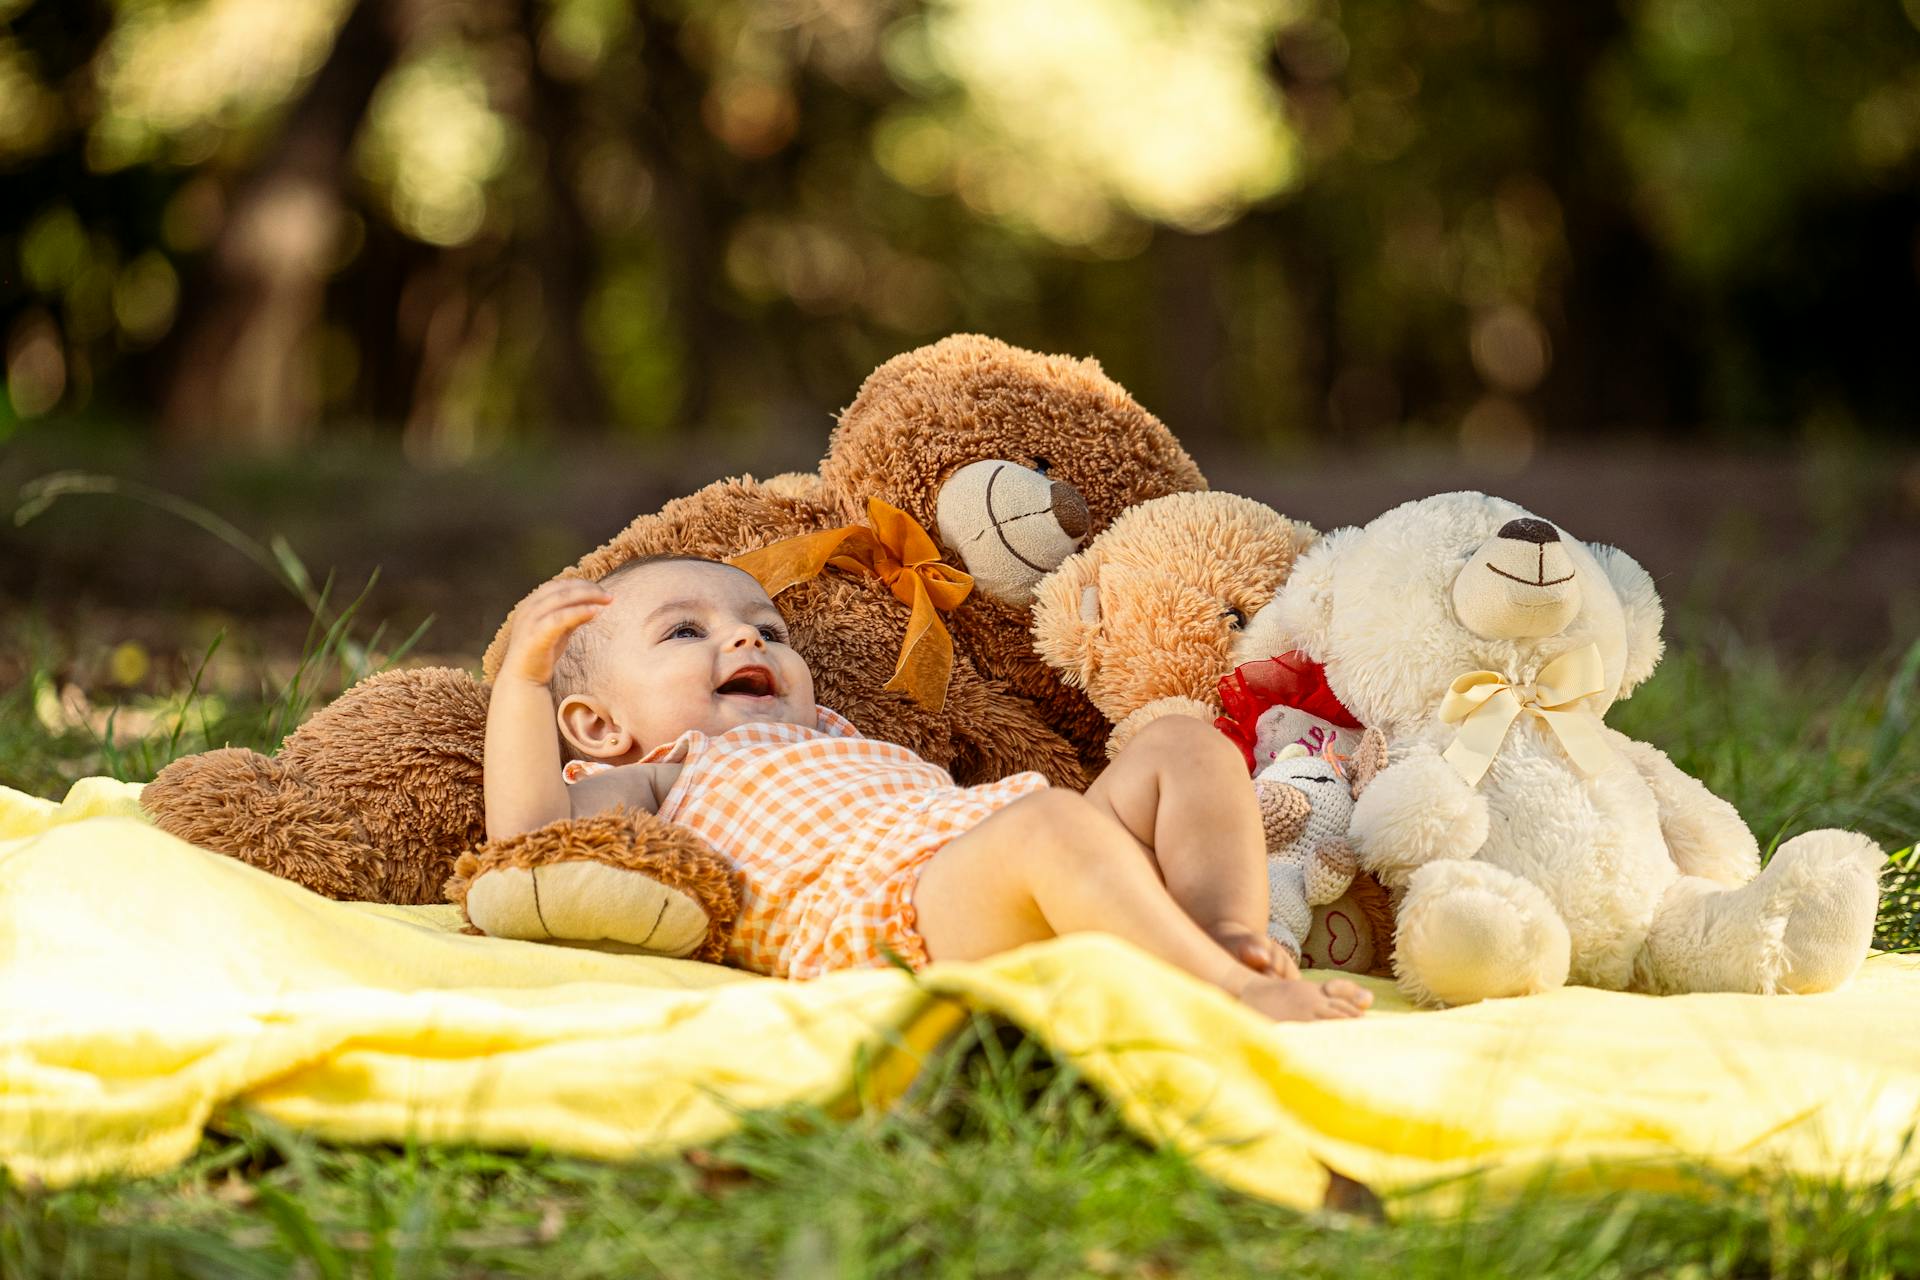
1070 509
1529 530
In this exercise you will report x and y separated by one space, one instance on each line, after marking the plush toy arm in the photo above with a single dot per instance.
1330 872
372 798
1288 918
621 880
1704 833
1415 811
1138 719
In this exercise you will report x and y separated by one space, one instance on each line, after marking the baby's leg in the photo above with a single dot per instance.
1054 863
1182 789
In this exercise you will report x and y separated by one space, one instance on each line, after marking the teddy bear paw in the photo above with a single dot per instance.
619 881
1331 871
1802 925
1416 812
1468 931
586 902
1837 896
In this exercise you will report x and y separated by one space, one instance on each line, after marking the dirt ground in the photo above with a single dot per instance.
1815 550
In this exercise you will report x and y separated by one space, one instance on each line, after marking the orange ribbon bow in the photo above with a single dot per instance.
895 549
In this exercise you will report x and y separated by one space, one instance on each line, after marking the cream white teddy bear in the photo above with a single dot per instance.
1529 844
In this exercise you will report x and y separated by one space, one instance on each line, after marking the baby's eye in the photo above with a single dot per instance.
773 634
685 631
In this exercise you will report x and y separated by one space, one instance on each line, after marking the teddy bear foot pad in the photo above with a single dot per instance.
587 904
620 881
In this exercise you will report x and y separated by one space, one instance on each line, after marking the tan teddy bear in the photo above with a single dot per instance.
1150 620
1149 617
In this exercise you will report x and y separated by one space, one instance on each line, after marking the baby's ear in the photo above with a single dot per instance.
1301 615
1066 619
1640 603
589 728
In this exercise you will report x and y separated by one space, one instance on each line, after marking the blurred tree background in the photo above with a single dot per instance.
452 289
1279 222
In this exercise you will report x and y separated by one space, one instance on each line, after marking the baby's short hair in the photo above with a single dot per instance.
578 664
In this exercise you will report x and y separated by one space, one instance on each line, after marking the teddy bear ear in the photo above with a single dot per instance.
1066 619
1368 760
1640 606
1301 615
1285 811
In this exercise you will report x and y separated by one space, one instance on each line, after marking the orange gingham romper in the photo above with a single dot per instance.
829 830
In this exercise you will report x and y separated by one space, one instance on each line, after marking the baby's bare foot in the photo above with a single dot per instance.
1252 948
1297 1000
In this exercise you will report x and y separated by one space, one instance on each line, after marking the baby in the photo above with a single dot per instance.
674 688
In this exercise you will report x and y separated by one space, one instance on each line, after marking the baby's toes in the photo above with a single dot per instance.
1349 995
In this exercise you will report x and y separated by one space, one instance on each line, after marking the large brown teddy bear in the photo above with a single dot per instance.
1006 461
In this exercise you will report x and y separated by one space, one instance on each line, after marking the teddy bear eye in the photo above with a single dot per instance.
1235 618
1042 465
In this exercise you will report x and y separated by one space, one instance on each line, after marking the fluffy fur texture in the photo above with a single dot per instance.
375 797
1146 618
1633 877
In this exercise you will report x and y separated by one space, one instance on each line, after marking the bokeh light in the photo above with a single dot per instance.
1062 116
174 72
433 143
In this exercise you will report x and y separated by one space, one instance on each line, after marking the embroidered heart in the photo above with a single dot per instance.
1343 938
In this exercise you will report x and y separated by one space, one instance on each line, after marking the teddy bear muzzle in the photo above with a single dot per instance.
1520 585
1010 525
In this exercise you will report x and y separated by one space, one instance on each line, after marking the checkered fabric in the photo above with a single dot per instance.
829 830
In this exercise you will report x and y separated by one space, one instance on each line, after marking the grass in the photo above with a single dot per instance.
1008 1168
1004 1165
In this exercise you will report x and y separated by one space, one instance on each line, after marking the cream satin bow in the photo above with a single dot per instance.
1485 704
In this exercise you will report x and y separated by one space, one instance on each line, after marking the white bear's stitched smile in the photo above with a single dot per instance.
1516 599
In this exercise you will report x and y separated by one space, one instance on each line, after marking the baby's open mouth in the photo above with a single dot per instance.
752 682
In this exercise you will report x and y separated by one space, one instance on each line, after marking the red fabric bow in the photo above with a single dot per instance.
1290 680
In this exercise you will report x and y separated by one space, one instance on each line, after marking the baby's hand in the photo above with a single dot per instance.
542 624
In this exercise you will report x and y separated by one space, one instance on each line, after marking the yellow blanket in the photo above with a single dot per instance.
145 985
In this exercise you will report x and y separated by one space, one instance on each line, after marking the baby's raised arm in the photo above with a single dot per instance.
524 789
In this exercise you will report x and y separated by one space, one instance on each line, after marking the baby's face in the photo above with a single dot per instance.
697 646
